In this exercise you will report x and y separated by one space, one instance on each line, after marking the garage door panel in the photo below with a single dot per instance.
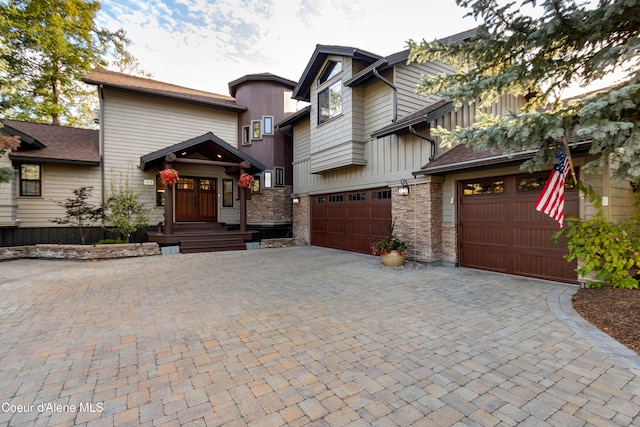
351 221
503 232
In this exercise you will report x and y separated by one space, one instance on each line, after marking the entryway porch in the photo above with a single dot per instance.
193 237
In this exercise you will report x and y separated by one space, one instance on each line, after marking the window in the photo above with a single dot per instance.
267 122
330 102
256 131
227 192
336 198
330 70
159 191
256 184
268 181
246 140
30 180
357 197
486 187
279 171
381 195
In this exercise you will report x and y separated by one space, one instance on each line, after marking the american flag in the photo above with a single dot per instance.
551 200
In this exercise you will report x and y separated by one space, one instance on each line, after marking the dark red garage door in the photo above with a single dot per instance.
501 231
352 220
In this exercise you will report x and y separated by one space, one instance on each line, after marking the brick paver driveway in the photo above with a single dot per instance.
296 336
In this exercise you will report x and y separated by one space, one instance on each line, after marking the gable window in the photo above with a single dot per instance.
330 70
30 179
267 128
246 140
330 102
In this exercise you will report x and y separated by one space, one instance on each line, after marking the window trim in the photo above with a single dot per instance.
246 133
256 129
328 89
267 130
39 180
278 173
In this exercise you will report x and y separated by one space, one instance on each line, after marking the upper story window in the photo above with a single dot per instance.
330 70
330 102
30 179
267 128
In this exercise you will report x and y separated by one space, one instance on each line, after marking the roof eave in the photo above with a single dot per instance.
429 117
33 159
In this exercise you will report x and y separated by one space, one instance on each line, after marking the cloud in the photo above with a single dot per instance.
204 44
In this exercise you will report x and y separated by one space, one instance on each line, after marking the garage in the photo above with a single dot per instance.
350 220
499 230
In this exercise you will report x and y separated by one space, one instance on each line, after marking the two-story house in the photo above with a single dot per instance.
364 159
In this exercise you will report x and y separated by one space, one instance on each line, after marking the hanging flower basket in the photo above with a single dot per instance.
246 181
169 176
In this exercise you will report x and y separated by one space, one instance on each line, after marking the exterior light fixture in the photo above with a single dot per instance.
403 190
296 198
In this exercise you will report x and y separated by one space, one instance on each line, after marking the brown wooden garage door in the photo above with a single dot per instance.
352 220
501 231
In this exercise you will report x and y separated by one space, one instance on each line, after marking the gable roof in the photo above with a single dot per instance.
303 90
142 85
44 143
294 117
217 146
265 77
427 114
400 57
462 157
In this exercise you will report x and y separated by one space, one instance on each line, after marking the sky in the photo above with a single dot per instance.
204 44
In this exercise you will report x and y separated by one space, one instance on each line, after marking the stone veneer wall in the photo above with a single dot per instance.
418 220
450 245
80 252
272 206
302 221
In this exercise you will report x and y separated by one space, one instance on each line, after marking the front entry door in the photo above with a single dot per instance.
196 200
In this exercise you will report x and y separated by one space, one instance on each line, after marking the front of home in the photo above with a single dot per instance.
338 158
365 160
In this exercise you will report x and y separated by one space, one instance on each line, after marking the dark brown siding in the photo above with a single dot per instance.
503 232
351 221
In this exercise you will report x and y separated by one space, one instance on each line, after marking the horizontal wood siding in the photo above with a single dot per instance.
378 109
135 125
349 153
58 183
7 195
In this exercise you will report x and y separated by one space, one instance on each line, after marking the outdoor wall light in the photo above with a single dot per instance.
296 198
403 190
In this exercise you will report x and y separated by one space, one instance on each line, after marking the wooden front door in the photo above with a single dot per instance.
196 200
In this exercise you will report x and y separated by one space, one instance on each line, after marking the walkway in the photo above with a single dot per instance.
299 336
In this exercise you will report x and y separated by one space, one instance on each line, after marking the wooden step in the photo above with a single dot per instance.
188 226
228 244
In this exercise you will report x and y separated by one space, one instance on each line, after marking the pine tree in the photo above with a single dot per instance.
538 55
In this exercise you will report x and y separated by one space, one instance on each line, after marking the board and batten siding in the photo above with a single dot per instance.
58 183
135 125
407 78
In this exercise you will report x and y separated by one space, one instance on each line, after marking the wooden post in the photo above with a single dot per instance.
168 198
243 198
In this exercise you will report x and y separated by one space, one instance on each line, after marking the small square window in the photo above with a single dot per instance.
267 128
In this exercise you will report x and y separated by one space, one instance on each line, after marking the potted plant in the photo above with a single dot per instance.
391 250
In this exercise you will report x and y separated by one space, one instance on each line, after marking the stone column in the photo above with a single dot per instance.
418 219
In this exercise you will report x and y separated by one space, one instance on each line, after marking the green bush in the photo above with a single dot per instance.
611 251
117 241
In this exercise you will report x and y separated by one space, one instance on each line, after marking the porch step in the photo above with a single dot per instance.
200 226
190 246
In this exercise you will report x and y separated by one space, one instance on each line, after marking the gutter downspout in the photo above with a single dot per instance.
426 138
395 93
101 139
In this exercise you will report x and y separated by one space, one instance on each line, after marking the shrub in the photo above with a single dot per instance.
611 251
79 212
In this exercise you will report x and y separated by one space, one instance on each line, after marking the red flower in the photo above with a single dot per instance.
169 176
246 181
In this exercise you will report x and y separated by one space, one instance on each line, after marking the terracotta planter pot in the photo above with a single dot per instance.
392 259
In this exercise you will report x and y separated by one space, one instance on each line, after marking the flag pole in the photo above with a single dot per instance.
565 140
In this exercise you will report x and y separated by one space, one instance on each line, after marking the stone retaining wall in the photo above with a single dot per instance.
277 243
80 252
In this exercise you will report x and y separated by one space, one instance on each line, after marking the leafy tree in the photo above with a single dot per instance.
125 211
7 143
79 212
537 56
46 46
